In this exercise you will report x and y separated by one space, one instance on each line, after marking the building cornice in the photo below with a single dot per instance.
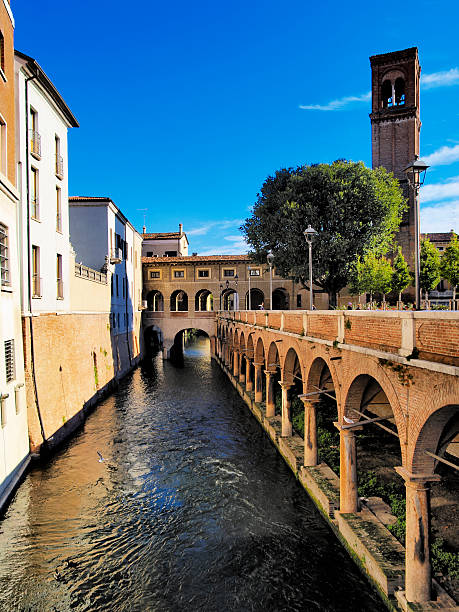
7 6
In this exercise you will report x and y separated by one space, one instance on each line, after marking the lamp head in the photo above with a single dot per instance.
309 233
416 172
270 258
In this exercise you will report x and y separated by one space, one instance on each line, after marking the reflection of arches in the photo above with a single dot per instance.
230 299
280 299
440 429
257 298
155 301
204 301
179 301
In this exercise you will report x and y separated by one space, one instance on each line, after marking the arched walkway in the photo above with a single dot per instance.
179 301
230 299
155 301
204 301
280 299
257 298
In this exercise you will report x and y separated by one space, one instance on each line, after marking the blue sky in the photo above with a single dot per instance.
186 107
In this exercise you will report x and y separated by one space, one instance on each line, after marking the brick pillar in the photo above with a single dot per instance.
235 364
418 569
286 409
248 372
310 431
348 496
258 382
270 406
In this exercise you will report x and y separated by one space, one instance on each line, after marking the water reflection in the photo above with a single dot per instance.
192 509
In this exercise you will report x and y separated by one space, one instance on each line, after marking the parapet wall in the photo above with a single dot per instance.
76 359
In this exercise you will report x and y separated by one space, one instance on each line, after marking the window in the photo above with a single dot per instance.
171 253
36 280
34 195
399 90
58 210
4 256
179 273
149 253
2 52
228 272
59 158
60 282
255 272
155 274
2 146
124 287
386 94
35 140
298 300
9 360
203 273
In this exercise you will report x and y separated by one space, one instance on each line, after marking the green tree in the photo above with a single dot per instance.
355 281
401 277
353 209
375 275
449 265
384 273
429 273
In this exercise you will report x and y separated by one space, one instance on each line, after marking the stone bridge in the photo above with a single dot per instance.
168 326
395 370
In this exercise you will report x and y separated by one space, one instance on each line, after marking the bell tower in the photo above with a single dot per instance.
395 125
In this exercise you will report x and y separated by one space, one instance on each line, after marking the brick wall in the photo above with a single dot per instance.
438 340
76 357
377 333
322 326
293 323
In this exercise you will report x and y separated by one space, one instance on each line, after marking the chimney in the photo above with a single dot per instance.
180 228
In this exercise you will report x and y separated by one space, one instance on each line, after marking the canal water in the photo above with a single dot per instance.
190 509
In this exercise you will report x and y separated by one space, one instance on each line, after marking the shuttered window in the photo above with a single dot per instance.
9 360
4 263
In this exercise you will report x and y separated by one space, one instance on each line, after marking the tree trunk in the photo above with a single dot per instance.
332 300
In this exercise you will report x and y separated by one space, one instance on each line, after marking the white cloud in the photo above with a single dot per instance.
441 217
339 104
440 79
441 191
235 238
204 229
443 156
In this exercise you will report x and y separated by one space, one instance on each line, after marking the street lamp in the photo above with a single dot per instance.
270 259
236 297
250 301
309 234
416 175
221 291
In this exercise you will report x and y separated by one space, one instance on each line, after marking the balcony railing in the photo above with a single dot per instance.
116 256
35 211
35 144
90 274
60 289
59 166
36 286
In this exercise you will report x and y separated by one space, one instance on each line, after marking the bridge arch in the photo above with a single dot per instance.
440 429
260 351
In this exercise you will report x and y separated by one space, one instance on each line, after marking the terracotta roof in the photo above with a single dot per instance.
196 258
438 236
162 235
89 199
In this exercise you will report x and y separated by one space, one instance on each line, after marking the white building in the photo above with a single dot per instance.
43 184
165 244
14 439
103 239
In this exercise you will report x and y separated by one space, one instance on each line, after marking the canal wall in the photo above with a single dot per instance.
365 536
71 361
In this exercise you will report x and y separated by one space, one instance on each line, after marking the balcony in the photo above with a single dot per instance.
59 166
35 144
60 289
94 275
36 286
116 256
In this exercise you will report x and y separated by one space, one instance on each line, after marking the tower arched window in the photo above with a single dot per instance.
399 92
386 94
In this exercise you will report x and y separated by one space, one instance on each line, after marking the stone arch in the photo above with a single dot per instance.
280 299
321 376
250 351
230 299
257 297
179 301
273 357
203 301
292 366
155 301
437 432
260 351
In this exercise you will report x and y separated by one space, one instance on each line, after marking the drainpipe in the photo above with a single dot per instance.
29 267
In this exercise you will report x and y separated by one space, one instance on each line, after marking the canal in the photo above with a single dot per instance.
191 508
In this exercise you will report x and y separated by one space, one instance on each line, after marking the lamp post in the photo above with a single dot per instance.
416 175
250 300
309 234
221 291
236 298
270 259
